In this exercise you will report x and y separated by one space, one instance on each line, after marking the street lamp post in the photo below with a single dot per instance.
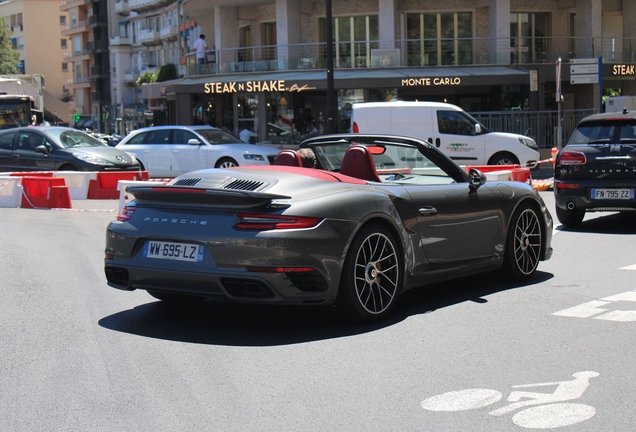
330 85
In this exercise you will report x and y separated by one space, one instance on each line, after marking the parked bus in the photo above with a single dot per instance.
19 110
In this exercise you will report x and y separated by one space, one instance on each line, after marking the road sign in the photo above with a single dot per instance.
584 79
584 69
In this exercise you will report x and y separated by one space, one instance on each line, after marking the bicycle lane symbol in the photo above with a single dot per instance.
547 410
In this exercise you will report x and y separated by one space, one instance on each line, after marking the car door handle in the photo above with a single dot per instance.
438 142
427 211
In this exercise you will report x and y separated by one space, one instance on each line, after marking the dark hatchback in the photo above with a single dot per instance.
52 148
596 170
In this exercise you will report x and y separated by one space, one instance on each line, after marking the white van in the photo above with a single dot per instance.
447 127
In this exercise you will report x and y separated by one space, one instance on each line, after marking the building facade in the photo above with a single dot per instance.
266 66
87 33
35 32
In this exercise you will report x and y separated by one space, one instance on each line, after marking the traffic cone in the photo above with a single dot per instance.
554 155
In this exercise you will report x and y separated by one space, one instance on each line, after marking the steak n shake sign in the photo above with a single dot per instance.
253 86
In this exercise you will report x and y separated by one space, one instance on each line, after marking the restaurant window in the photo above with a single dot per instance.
436 39
528 37
353 38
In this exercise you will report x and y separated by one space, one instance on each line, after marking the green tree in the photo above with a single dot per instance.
167 72
9 57
146 78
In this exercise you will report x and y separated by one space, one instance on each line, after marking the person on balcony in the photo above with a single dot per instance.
201 47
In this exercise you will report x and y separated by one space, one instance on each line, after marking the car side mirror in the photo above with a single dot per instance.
41 149
476 178
477 129
194 141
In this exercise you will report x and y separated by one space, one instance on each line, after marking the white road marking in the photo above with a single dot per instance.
553 415
631 267
539 410
626 296
620 316
461 400
585 310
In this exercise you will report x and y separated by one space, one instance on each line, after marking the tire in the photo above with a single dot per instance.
175 298
570 218
226 162
371 277
523 244
141 166
504 158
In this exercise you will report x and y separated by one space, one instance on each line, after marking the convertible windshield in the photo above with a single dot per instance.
72 139
392 163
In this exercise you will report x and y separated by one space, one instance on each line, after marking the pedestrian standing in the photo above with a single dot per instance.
200 47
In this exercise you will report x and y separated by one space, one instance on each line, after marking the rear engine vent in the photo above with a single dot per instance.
187 182
247 185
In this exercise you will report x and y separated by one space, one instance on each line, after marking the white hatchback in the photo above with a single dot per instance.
169 151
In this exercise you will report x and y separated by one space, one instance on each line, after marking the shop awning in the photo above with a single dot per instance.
364 78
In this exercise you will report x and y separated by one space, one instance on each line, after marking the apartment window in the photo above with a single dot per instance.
77 44
63 20
436 39
63 43
20 43
73 18
78 71
269 40
354 38
245 41
529 37
64 67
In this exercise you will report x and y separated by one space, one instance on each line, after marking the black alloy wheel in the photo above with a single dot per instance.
524 244
371 277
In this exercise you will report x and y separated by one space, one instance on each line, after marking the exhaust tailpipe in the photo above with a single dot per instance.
570 205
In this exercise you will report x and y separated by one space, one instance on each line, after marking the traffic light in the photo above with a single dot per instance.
76 118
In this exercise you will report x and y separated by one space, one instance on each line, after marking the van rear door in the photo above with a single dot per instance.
371 119
457 138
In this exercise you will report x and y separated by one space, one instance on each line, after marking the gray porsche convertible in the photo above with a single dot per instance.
374 216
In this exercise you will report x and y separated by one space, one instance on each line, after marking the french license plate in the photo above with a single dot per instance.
174 251
620 194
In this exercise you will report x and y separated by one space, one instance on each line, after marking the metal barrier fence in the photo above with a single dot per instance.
542 126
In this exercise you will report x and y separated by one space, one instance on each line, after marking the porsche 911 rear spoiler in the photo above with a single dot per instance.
199 196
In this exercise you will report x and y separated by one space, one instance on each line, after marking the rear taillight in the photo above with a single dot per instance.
355 128
126 213
561 185
254 221
572 158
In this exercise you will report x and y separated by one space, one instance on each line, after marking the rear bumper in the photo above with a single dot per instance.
569 197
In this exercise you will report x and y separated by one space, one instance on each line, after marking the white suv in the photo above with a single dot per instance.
169 151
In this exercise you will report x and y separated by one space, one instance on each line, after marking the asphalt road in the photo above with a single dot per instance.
555 353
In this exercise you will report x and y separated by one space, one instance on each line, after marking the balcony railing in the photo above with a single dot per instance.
122 7
131 76
169 33
146 5
149 37
413 53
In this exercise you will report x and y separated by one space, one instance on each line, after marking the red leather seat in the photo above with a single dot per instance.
288 158
358 163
